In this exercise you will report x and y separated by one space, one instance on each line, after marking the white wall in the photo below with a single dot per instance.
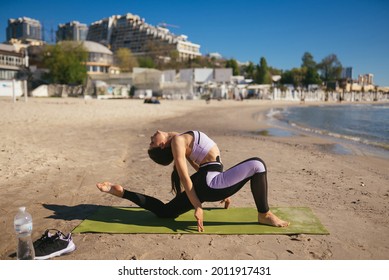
223 75
6 88
203 75
41 91
186 75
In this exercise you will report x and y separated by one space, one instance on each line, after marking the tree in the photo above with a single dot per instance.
249 70
174 61
174 56
232 63
293 77
263 74
308 61
274 71
66 62
309 69
125 60
310 77
146 62
330 68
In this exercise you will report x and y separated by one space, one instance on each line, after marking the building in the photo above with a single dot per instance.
72 31
100 58
366 79
24 29
13 65
347 73
132 32
100 31
12 61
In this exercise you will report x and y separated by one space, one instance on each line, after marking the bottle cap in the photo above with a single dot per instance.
22 209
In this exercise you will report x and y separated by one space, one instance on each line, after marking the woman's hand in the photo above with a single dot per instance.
199 215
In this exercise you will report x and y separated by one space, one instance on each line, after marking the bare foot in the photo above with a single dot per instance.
272 220
226 202
108 187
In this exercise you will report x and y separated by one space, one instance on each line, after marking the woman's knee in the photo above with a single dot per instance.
258 165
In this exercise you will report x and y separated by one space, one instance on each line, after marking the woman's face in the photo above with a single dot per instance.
157 139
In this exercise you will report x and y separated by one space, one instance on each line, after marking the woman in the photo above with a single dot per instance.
209 183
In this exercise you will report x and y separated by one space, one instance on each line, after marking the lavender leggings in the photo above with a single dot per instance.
211 184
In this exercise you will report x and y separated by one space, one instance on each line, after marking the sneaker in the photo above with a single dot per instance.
47 235
53 245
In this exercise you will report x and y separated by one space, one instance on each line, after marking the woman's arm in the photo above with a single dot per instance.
178 146
193 164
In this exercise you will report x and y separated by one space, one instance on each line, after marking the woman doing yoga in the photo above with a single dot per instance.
210 183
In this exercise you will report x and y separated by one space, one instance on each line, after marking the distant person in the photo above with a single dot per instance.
152 100
210 183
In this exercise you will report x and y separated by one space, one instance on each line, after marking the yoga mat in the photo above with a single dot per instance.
216 221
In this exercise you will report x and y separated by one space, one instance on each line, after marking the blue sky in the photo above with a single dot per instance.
246 30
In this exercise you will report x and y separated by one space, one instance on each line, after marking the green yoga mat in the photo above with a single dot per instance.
216 221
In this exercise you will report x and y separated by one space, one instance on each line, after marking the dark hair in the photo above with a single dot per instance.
165 157
176 183
161 156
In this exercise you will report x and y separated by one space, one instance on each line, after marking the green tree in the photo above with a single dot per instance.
249 70
293 77
308 61
274 71
175 55
263 75
66 62
310 77
309 70
146 62
232 63
125 60
330 68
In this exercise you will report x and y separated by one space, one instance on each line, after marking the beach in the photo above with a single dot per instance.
54 150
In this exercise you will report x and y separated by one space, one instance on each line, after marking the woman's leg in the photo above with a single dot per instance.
178 205
232 180
258 186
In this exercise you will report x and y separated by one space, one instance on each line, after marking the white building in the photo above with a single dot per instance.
132 32
13 61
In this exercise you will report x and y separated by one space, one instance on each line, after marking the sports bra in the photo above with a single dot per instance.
202 144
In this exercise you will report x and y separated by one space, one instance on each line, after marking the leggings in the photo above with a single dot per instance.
211 183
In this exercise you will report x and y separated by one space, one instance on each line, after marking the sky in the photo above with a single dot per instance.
281 31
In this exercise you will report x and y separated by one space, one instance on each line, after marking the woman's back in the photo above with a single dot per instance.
203 148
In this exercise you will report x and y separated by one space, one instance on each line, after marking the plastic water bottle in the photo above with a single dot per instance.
23 229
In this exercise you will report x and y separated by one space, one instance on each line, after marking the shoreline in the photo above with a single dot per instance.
55 150
342 143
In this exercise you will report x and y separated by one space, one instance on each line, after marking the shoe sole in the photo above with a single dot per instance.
67 250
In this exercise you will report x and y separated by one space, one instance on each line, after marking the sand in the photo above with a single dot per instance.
53 152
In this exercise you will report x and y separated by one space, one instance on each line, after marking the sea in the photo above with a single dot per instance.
362 124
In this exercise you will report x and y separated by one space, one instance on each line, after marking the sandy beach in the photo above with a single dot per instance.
53 152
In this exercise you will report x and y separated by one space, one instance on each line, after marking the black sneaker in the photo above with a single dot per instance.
47 235
53 245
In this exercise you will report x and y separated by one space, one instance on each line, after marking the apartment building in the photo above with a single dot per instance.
24 29
132 32
72 31
366 79
100 31
347 73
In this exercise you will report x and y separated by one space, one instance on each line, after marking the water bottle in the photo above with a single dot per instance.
23 229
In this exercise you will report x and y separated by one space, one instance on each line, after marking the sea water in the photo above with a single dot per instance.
366 124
